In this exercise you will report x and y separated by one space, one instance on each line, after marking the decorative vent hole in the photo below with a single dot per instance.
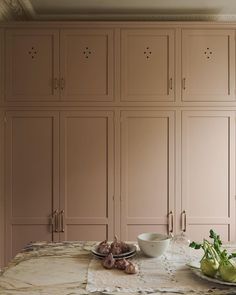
147 53
208 53
33 52
87 52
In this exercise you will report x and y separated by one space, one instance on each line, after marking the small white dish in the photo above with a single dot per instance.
153 244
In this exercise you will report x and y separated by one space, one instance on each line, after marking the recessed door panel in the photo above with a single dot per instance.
32 65
86 232
147 65
208 65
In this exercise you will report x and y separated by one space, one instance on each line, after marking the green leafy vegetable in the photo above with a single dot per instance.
216 261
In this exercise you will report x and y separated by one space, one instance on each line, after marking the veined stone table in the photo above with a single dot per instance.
69 268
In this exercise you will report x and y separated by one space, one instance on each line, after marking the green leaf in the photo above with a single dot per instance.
195 245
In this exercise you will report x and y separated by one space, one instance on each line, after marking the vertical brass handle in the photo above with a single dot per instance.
184 83
62 83
170 222
184 221
170 84
55 84
62 221
54 221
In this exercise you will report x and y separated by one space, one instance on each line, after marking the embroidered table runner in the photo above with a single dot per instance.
168 274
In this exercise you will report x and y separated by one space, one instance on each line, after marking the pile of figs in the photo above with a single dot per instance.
116 248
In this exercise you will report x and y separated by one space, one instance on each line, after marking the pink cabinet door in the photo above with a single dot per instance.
208 173
147 65
32 151
208 65
32 65
147 171
86 64
86 178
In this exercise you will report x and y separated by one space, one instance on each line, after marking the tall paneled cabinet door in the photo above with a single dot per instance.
147 172
86 64
32 65
208 65
147 65
208 173
32 177
87 175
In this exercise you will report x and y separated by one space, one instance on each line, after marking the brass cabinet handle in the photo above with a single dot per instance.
170 84
184 83
184 221
62 229
62 83
54 221
170 222
55 83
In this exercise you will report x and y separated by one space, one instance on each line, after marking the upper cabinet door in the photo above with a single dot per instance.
87 65
208 60
32 65
147 65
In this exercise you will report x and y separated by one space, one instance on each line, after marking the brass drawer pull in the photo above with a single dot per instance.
62 83
62 221
170 222
184 83
184 221
170 84
54 221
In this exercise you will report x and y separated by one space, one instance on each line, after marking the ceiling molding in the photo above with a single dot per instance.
5 12
24 10
134 16
28 9
12 10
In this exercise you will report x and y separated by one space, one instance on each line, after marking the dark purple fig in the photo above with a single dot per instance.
109 261
116 248
121 264
103 247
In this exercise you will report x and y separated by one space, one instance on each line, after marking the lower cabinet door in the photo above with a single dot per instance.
32 151
208 173
87 177
147 172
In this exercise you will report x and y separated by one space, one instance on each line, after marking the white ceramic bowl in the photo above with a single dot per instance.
153 244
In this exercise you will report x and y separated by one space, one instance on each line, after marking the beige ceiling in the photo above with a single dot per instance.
128 9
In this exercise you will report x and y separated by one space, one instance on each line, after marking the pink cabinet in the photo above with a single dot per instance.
38 206
86 64
147 65
32 65
32 175
147 172
208 65
87 175
40 68
208 173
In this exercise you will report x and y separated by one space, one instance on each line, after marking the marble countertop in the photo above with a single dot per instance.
62 269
